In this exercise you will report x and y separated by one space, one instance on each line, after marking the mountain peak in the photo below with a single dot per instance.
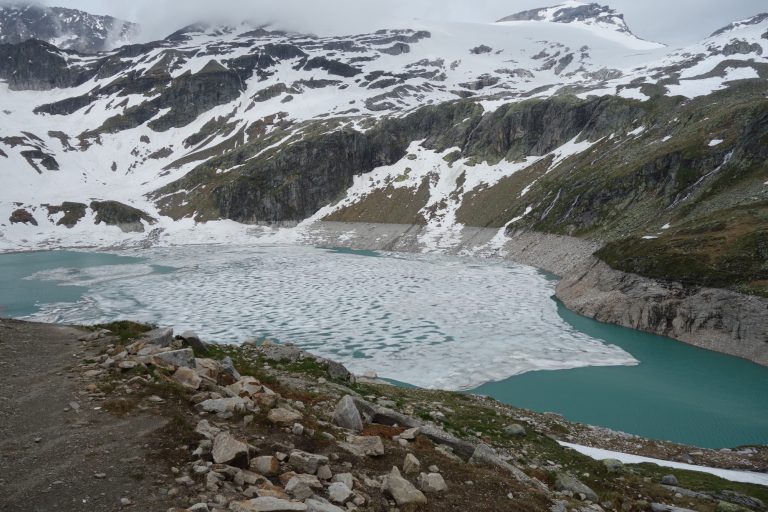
754 20
69 29
572 11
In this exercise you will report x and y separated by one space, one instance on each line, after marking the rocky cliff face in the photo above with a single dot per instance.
710 318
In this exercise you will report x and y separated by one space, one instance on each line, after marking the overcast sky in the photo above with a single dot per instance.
674 22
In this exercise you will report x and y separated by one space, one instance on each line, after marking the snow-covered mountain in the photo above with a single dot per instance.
501 124
68 29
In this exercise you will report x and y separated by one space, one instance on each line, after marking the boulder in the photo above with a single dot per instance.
515 430
161 337
407 497
207 368
283 415
223 406
362 446
345 478
228 450
187 377
613 465
266 465
228 372
246 386
411 465
267 504
338 371
174 359
669 480
305 462
410 434
194 342
566 482
347 416
339 492
206 430
431 483
303 486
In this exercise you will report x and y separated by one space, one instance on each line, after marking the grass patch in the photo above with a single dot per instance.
125 329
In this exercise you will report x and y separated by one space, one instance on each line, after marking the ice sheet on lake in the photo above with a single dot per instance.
431 321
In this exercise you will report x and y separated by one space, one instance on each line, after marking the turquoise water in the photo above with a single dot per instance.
411 317
21 297
677 393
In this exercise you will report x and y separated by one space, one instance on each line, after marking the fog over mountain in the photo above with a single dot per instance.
674 23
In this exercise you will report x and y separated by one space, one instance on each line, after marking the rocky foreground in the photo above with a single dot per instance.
164 422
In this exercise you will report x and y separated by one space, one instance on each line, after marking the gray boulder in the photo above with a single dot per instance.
194 342
364 446
566 482
228 450
613 465
162 336
175 358
347 416
305 462
407 497
515 430
431 483
669 480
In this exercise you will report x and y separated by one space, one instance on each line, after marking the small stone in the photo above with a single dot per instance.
315 505
297 429
282 415
411 465
305 462
363 446
266 465
345 478
125 502
431 483
339 492
100 475
410 434
434 469
324 472
188 378
38 439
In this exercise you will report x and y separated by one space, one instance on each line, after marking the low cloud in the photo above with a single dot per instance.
678 22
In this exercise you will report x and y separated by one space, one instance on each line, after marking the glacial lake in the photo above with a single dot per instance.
473 325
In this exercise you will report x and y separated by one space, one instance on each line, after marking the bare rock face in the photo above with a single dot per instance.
715 319
22 216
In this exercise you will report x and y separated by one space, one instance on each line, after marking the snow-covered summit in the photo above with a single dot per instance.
597 18
758 19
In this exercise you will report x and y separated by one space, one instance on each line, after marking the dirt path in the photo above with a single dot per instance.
58 449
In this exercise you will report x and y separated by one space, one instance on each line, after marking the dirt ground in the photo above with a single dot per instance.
58 449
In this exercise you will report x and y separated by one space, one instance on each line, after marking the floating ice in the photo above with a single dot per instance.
431 321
